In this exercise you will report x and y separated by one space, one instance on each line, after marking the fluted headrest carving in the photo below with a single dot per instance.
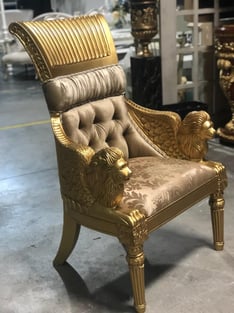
64 46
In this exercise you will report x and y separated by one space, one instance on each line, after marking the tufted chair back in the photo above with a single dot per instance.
94 113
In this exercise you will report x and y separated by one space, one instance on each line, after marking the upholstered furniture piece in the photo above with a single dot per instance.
124 170
10 46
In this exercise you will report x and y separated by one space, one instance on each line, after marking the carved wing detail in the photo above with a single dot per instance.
186 139
161 127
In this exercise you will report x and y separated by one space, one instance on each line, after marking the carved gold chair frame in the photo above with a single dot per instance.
59 50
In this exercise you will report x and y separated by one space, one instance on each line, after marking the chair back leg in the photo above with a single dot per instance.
217 217
71 230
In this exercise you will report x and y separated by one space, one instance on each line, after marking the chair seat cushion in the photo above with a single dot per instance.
157 182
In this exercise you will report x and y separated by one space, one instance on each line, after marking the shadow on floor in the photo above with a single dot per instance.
116 296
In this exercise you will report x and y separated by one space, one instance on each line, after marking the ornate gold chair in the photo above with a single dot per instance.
124 170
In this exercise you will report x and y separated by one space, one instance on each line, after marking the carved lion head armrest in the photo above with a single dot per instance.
105 176
186 139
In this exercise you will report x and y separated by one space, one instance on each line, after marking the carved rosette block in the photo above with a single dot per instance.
143 24
224 47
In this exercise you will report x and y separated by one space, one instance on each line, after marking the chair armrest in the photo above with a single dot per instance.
161 127
72 161
92 183
186 139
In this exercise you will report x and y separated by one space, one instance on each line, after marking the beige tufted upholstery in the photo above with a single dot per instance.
103 120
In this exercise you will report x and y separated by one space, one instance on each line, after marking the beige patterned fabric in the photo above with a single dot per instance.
156 183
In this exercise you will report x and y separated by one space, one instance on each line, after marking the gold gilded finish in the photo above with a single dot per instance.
217 202
106 174
96 177
62 53
194 131
143 24
139 232
217 206
217 214
71 230
224 47
77 190
185 139
92 182
160 126
135 259
133 241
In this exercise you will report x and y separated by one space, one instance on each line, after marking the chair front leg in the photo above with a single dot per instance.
135 258
217 217
132 237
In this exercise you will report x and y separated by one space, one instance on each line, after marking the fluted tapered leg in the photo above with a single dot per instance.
69 238
135 258
217 217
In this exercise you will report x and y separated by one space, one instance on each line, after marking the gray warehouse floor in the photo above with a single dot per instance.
183 272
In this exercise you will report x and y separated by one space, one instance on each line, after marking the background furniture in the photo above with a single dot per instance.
19 55
225 61
196 20
97 129
7 17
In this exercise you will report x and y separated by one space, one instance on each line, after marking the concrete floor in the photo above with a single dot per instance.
183 273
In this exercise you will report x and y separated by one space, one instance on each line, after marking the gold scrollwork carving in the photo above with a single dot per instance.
195 129
105 176
186 139
133 237
224 46
225 55
143 17
33 51
144 25
221 173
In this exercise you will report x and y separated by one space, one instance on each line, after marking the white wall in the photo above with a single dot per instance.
93 4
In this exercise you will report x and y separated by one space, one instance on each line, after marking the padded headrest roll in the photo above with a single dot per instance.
64 92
